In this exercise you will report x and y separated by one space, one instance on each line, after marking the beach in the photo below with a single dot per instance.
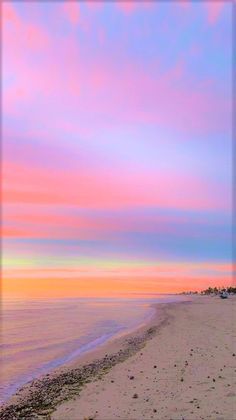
180 365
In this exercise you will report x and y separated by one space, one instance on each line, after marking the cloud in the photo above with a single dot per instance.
214 9
94 87
36 281
10 15
95 131
184 4
71 11
57 75
103 187
22 35
126 6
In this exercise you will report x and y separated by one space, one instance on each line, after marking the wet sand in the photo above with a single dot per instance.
182 365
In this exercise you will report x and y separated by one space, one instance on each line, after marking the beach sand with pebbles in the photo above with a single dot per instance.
182 365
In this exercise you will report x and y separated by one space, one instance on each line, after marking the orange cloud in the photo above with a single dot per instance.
54 285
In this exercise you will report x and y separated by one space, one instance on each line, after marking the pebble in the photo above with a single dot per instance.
47 391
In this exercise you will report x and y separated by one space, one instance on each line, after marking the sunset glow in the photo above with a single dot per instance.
116 147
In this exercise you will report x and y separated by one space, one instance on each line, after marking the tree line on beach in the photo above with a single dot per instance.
213 291
218 290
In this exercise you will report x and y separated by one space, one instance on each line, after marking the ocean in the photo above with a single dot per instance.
41 334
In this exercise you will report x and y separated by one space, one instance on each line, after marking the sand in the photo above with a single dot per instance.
186 371
181 365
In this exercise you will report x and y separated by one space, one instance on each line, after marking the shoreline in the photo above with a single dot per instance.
81 355
39 397
181 365
187 370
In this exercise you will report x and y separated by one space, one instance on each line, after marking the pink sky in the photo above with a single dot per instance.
116 144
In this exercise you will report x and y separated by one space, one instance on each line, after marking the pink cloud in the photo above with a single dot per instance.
214 10
9 13
127 6
95 5
72 11
184 4
130 6
33 221
21 35
98 187
98 86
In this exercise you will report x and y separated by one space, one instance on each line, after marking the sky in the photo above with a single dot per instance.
117 141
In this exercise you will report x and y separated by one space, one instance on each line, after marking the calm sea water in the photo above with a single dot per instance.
39 335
